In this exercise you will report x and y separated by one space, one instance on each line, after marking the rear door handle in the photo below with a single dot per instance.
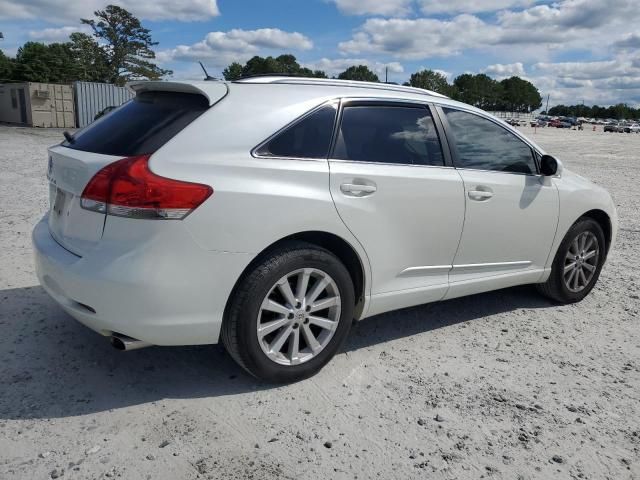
356 190
480 195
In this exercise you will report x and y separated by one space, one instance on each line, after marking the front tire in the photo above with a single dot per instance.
290 314
577 264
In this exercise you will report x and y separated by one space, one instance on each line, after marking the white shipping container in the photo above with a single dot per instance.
92 98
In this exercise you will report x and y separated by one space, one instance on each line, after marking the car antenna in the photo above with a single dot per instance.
206 75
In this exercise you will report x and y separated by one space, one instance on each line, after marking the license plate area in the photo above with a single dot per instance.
59 202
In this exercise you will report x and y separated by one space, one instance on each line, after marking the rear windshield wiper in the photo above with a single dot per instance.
68 136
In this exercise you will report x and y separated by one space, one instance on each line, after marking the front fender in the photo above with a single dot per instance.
579 196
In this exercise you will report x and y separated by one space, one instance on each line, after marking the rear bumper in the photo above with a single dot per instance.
165 290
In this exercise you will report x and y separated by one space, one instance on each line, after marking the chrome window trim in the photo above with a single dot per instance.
432 104
499 171
254 151
362 162
397 102
489 117
273 157
500 124
409 102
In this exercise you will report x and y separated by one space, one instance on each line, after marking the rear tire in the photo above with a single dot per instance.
577 264
273 315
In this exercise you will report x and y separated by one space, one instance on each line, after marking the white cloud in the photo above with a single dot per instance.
61 34
419 38
248 40
500 70
466 6
603 82
538 31
630 41
333 67
391 8
221 48
401 8
569 14
73 10
569 24
587 70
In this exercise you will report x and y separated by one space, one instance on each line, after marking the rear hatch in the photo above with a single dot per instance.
141 126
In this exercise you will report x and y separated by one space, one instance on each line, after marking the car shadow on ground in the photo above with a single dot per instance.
53 367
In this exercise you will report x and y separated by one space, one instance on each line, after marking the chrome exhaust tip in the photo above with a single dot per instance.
124 343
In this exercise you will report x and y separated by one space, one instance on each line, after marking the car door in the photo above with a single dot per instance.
394 188
511 210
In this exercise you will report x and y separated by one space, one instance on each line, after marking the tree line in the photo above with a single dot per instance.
511 94
621 111
118 50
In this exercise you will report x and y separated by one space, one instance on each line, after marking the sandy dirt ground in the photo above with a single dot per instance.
502 385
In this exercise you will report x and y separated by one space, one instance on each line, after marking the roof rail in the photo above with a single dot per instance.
334 82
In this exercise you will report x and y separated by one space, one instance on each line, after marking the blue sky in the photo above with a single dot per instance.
574 50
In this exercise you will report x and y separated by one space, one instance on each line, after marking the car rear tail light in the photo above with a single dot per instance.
128 188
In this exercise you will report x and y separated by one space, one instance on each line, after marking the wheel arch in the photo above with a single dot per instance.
603 219
335 244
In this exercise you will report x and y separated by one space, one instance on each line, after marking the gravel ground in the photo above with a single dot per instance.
498 385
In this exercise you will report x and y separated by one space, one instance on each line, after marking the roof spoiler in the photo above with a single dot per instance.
213 91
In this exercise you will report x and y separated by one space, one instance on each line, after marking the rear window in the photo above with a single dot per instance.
142 125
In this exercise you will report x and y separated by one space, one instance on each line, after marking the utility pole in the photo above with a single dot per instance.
386 74
547 109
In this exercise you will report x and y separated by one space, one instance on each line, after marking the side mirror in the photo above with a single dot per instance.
548 166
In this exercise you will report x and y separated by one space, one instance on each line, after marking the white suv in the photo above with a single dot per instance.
270 212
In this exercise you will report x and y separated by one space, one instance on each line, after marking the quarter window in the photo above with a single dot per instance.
307 138
483 145
388 134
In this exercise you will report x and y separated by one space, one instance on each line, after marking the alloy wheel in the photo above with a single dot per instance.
581 262
299 316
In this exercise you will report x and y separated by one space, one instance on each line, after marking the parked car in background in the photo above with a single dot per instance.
175 221
104 111
633 128
613 127
560 124
515 122
566 122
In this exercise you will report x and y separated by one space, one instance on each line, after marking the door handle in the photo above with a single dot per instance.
480 195
356 190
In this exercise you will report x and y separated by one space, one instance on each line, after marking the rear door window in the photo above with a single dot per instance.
309 137
388 134
141 125
484 145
